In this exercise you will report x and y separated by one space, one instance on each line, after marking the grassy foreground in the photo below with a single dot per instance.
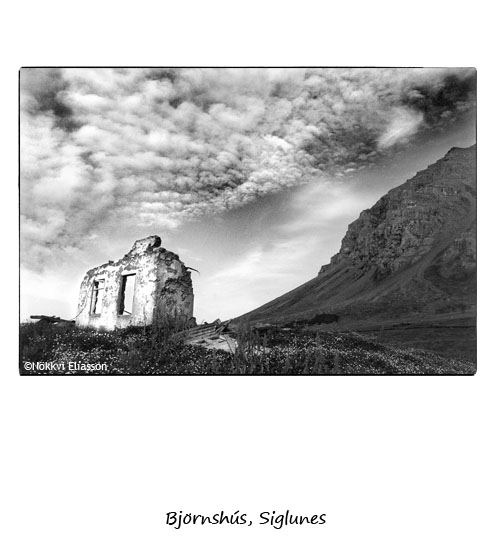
153 351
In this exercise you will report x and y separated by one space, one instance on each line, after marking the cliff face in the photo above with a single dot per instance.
414 218
413 252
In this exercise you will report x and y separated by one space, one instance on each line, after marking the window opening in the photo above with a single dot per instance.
127 294
97 298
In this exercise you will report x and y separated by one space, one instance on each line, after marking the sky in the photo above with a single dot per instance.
250 175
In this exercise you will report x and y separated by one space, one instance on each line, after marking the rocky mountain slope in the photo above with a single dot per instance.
411 256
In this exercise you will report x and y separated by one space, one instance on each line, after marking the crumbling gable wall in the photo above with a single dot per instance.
162 289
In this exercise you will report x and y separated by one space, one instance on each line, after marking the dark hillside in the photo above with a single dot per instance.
408 259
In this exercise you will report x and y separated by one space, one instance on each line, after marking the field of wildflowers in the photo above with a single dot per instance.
273 351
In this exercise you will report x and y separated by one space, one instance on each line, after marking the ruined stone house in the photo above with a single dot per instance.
149 284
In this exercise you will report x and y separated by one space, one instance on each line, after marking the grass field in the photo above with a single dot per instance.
447 341
273 351
450 336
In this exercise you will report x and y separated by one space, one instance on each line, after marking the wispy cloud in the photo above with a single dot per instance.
111 148
316 218
403 125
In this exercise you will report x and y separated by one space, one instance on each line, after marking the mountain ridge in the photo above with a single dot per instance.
412 254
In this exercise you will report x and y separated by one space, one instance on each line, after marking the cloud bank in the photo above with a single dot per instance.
105 148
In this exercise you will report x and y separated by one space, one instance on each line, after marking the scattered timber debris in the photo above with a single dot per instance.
53 320
214 336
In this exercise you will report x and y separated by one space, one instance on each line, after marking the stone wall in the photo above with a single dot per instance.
162 289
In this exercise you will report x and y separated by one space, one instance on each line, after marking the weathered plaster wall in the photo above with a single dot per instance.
163 288
174 288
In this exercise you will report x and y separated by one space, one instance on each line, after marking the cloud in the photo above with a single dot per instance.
404 124
297 244
259 275
113 148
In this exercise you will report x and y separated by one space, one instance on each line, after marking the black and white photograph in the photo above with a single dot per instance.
247 221
247 276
